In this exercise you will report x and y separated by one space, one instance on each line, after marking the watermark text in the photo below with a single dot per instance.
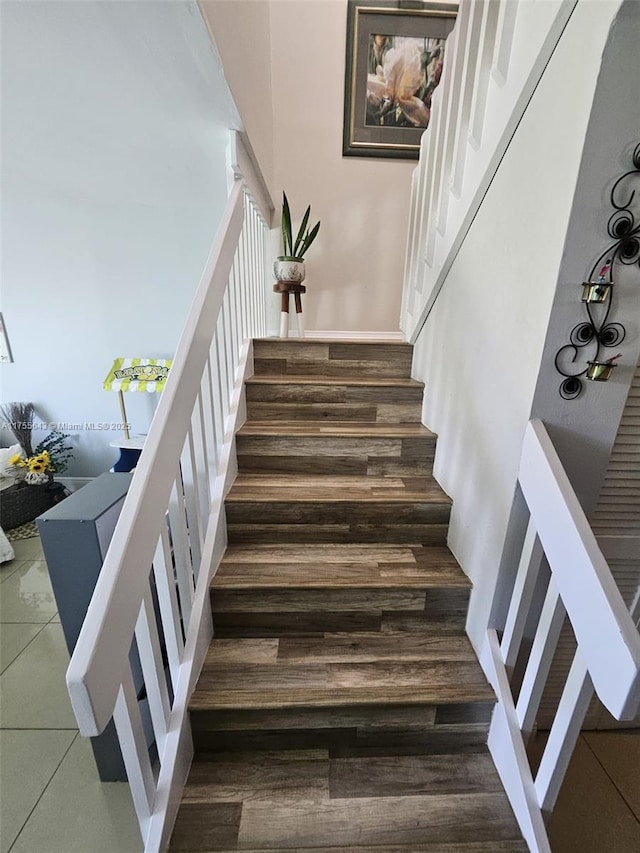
64 426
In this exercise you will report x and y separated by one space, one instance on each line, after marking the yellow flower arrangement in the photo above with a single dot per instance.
40 464
35 466
38 467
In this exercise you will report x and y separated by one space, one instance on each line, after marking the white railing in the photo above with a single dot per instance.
580 587
495 57
151 602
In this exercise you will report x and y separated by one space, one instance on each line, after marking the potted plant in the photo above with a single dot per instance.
290 265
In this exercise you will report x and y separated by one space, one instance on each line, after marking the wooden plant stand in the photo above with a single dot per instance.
284 288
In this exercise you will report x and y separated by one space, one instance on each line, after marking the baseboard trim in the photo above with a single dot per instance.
321 334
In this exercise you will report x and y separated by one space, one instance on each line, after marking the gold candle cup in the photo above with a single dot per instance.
599 371
593 291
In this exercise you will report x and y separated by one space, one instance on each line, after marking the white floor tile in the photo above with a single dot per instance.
619 753
590 815
29 760
79 814
27 596
7 569
28 549
33 691
14 638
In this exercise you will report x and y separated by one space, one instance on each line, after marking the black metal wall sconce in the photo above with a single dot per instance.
598 293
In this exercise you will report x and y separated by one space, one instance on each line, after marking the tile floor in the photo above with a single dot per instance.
598 808
51 800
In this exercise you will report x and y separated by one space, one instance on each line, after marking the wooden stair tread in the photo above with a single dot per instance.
290 776
511 846
378 821
341 429
356 342
282 684
368 448
278 488
338 567
309 391
333 358
343 647
320 379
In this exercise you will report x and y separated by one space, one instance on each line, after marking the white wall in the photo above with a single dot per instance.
241 30
480 350
115 118
585 429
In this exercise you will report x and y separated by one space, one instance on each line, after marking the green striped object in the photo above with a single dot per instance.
138 374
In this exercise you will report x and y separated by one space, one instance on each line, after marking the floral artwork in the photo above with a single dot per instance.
402 75
396 55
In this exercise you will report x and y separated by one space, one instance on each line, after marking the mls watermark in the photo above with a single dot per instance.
63 426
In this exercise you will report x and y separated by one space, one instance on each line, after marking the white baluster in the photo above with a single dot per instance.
522 596
574 702
220 381
452 98
153 670
209 407
168 603
180 548
504 39
205 467
472 52
540 659
134 749
194 514
483 75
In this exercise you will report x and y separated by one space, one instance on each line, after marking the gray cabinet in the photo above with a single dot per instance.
75 536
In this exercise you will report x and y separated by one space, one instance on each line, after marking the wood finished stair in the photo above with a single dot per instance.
358 448
341 706
331 508
285 590
326 398
346 359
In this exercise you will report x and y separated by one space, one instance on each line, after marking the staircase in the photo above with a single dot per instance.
341 706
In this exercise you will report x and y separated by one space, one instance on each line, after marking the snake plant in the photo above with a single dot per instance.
295 250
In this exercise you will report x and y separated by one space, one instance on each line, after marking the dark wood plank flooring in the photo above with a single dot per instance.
309 800
340 706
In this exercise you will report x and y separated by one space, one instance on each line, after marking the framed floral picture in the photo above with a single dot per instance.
395 54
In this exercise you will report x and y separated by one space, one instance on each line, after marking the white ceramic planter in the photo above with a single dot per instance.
288 270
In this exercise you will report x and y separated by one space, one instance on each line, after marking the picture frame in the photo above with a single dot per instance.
393 64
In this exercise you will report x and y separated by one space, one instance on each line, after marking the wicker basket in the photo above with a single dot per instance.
22 503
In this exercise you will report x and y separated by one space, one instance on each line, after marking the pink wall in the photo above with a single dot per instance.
241 30
355 268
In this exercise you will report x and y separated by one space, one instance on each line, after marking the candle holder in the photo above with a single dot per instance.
600 371
595 333
596 291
